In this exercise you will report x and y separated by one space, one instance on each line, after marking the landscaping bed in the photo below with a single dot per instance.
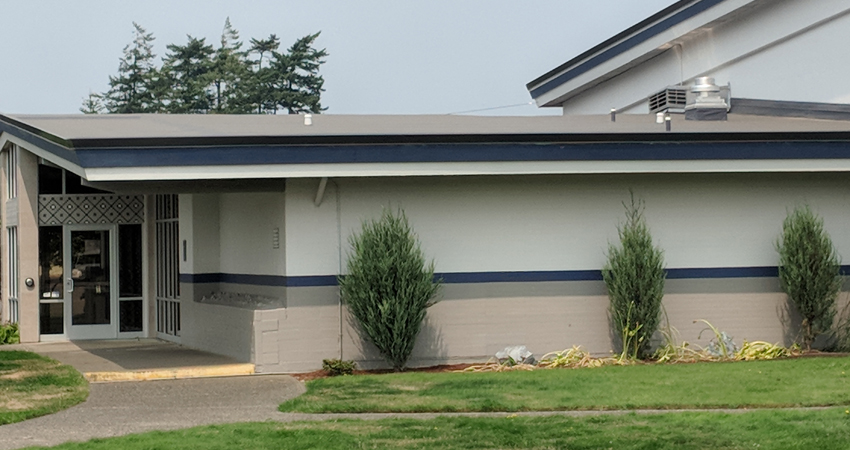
32 385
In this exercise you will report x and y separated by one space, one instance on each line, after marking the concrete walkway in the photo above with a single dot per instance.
136 359
115 409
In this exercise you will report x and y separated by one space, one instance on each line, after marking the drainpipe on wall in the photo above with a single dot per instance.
320 193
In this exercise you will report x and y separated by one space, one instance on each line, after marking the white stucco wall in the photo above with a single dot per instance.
783 50
247 225
564 223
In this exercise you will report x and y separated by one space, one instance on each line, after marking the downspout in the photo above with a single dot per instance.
320 193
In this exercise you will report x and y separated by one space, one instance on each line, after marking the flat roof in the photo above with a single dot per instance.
98 131
153 148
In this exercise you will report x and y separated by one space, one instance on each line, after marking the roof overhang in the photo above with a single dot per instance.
584 145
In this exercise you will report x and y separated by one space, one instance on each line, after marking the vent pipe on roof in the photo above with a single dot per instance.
706 101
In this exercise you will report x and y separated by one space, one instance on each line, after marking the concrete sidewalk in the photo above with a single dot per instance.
115 409
136 360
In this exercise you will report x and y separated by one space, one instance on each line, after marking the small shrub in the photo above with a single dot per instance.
10 334
810 271
389 285
634 276
337 367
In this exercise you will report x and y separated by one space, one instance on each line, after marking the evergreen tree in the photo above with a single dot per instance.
132 90
389 285
196 78
231 74
262 89
297 83
810 271
263 46
188 71
93 104
634 276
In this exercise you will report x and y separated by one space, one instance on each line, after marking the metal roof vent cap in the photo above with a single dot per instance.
705 101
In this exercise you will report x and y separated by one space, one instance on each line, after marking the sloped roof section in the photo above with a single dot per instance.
648 31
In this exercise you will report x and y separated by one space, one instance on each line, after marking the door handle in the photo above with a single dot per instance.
69 284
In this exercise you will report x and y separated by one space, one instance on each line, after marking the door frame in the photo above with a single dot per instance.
88 332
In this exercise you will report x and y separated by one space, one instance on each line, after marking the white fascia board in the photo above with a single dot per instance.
462 168
636 55
41 153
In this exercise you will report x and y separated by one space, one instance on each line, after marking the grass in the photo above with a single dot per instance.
809 381
821 429
32 385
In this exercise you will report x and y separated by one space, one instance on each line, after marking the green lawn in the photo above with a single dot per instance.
792 382
32 385
822 430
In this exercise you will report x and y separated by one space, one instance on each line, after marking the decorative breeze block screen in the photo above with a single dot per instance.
90 209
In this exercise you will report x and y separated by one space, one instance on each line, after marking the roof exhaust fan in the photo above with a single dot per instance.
707 101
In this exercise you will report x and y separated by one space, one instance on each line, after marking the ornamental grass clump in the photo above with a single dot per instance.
810 271
389 285
634 276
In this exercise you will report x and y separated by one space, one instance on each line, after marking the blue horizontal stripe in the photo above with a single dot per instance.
624 46
488 277
507 277
259 280
409 153
311 281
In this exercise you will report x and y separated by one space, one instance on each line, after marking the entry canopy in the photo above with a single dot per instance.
156 147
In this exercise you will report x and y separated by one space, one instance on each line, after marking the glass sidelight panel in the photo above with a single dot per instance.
52 318
51 269
130 316
130 260
90 288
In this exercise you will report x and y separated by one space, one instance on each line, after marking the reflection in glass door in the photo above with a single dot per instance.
88 284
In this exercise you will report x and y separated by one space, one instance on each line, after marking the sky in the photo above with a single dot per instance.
385 56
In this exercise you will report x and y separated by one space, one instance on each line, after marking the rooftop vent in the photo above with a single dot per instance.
707 101
672 99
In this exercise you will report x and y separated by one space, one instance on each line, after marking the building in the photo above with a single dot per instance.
227 233
784 50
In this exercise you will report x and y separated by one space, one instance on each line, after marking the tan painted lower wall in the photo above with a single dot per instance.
473 321
225 330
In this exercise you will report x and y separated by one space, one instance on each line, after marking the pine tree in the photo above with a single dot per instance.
262 88
297 83
231 74
188 70
131 91
263 46
93 104
197 79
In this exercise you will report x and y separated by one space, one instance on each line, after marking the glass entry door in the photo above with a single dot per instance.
90 272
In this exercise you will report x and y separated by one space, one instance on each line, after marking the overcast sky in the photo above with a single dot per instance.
386 56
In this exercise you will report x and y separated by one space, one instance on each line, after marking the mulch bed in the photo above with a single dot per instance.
441 368
458 367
